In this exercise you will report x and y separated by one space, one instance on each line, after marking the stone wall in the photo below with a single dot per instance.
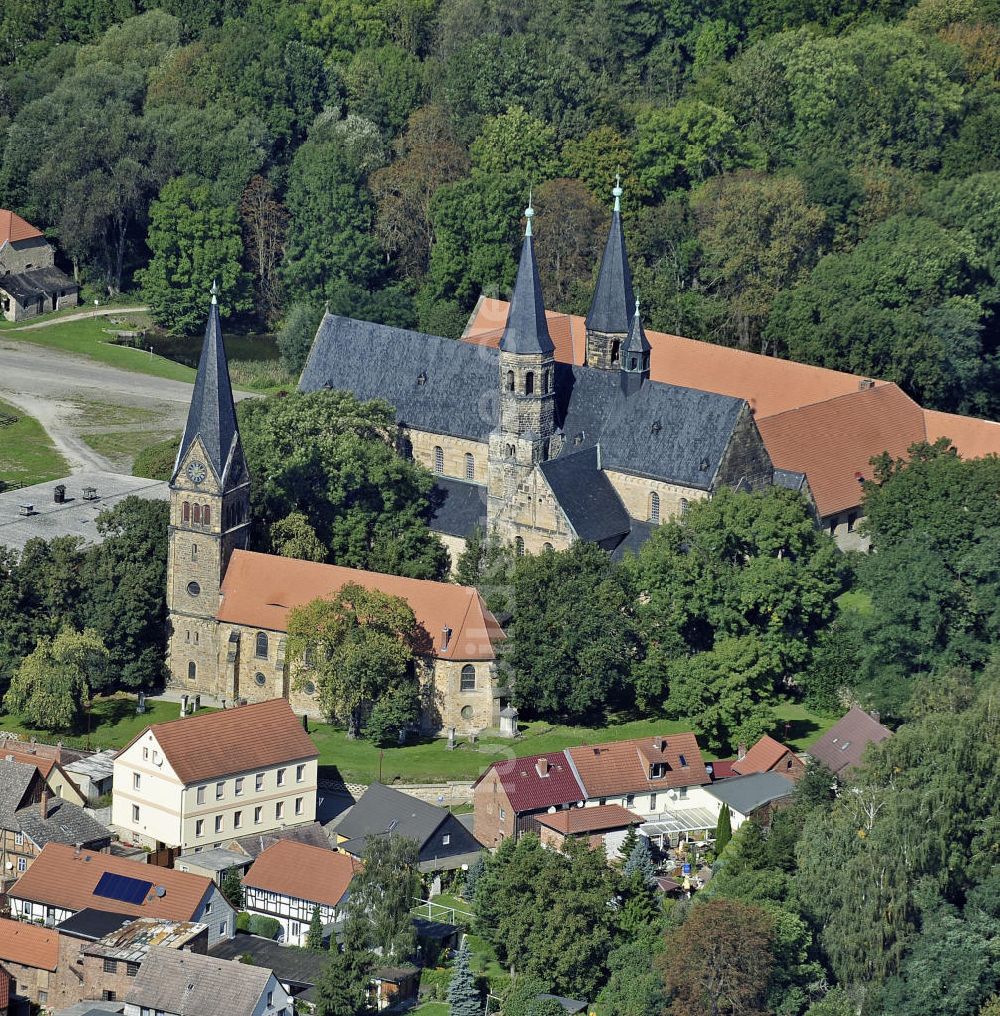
531 512
746 459
603 349
26 255
635 490
454 451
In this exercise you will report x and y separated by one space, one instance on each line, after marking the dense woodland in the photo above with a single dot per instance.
817 180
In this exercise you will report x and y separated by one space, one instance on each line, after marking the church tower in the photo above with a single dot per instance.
634 367
209 517
611 309
526 429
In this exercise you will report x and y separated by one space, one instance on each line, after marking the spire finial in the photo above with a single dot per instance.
529 214
215 291
617 192
637 306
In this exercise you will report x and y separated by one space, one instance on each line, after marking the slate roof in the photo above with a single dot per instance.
189 984
841 748
446 387
212 414
65 823
639 532
526 330
528 790
635 341
586 496
310 833
611 308
93 924
307 873
457 507
571 1005
298 968
209 746
15 780
28 286
744 794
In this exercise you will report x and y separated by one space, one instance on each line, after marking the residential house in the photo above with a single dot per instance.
214 863
298 970
843 746
62 881
605 827
749 795
651 776
31 817
93 774
56 776
30 283
254 844
289 880
444 842
178 983
196 782
29 956
766 756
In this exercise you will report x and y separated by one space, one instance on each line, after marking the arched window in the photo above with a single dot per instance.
206 515
260 648
468 677
519 546
192 670
438 459
529 383
196 515
654 507
546 546
470 466
615 351
511 451
510 380
186 512
632 363
684 504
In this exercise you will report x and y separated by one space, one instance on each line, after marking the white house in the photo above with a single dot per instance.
745 795
199 781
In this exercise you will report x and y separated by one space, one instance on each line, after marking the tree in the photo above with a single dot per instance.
472 876
634 987
342 988
292 536
358 647
296 334
193 242
232 888
264 224
640 861
53 683
723 830
314 937
719 961
571 641
628 844
383 85
463 996
639 908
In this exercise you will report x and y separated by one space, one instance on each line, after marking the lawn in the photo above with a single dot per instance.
856 600
27 455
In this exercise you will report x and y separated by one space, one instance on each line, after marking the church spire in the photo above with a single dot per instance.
526 330
635 355
212 414
610 311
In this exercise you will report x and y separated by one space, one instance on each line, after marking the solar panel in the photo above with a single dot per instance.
122 888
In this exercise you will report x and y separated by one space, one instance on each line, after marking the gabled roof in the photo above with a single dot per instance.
457 507
833 442
973 437
12 753
381 810
536 782
14 228
28 945
212 745
30 285
611 309
64 822
303 872
619 767
212 414
744 794
603 818
762 757
310 833
525 330
841 748
189 984
586 496
61 878
300 968
15 782
259 590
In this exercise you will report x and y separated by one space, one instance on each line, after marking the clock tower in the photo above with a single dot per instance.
209 519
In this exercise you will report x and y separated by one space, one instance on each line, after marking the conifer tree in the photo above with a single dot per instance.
723 829
463 998
314 938
628 844
472 877
640 860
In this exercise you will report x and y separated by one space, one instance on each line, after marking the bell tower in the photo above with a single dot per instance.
209 517
527 424
610 311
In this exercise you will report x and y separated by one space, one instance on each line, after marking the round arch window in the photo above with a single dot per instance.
309 688
259 679
193 589
466 712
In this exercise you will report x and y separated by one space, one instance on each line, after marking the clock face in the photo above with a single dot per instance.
196 471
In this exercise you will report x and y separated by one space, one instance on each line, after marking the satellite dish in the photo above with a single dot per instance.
160 891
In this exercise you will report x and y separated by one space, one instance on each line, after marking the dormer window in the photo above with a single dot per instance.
657 770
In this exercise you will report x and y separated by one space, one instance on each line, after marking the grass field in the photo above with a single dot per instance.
26 454
856 600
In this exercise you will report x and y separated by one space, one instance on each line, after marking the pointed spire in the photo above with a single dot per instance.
212 415
636 342
526 330
611 308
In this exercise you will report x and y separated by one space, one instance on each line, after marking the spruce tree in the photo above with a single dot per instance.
723 830
463 996
640 860
472 876
628 844
314 938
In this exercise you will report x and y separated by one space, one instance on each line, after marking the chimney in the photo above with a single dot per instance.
660 744
741 751
542 767
865 383
445 638
43 804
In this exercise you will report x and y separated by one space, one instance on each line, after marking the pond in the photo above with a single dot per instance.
187 348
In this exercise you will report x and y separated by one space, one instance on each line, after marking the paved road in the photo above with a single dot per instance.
47 384
97 312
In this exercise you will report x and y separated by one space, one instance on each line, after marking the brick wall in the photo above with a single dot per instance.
493 818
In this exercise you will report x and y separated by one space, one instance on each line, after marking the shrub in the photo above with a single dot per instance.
266 927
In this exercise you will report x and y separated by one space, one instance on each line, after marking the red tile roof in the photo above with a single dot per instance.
14 228
722 768
60 878
762 757
259 590
43 765
536 782
212 745
972 437
621 767
28 945
833 442
841 748
590 820
304 872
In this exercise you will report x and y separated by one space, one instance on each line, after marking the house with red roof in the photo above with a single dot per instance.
769 756
30 283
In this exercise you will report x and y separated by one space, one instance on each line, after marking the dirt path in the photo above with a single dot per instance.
97 312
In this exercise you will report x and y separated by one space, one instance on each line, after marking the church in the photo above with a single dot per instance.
541 452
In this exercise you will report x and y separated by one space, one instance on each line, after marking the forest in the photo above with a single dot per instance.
815 179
